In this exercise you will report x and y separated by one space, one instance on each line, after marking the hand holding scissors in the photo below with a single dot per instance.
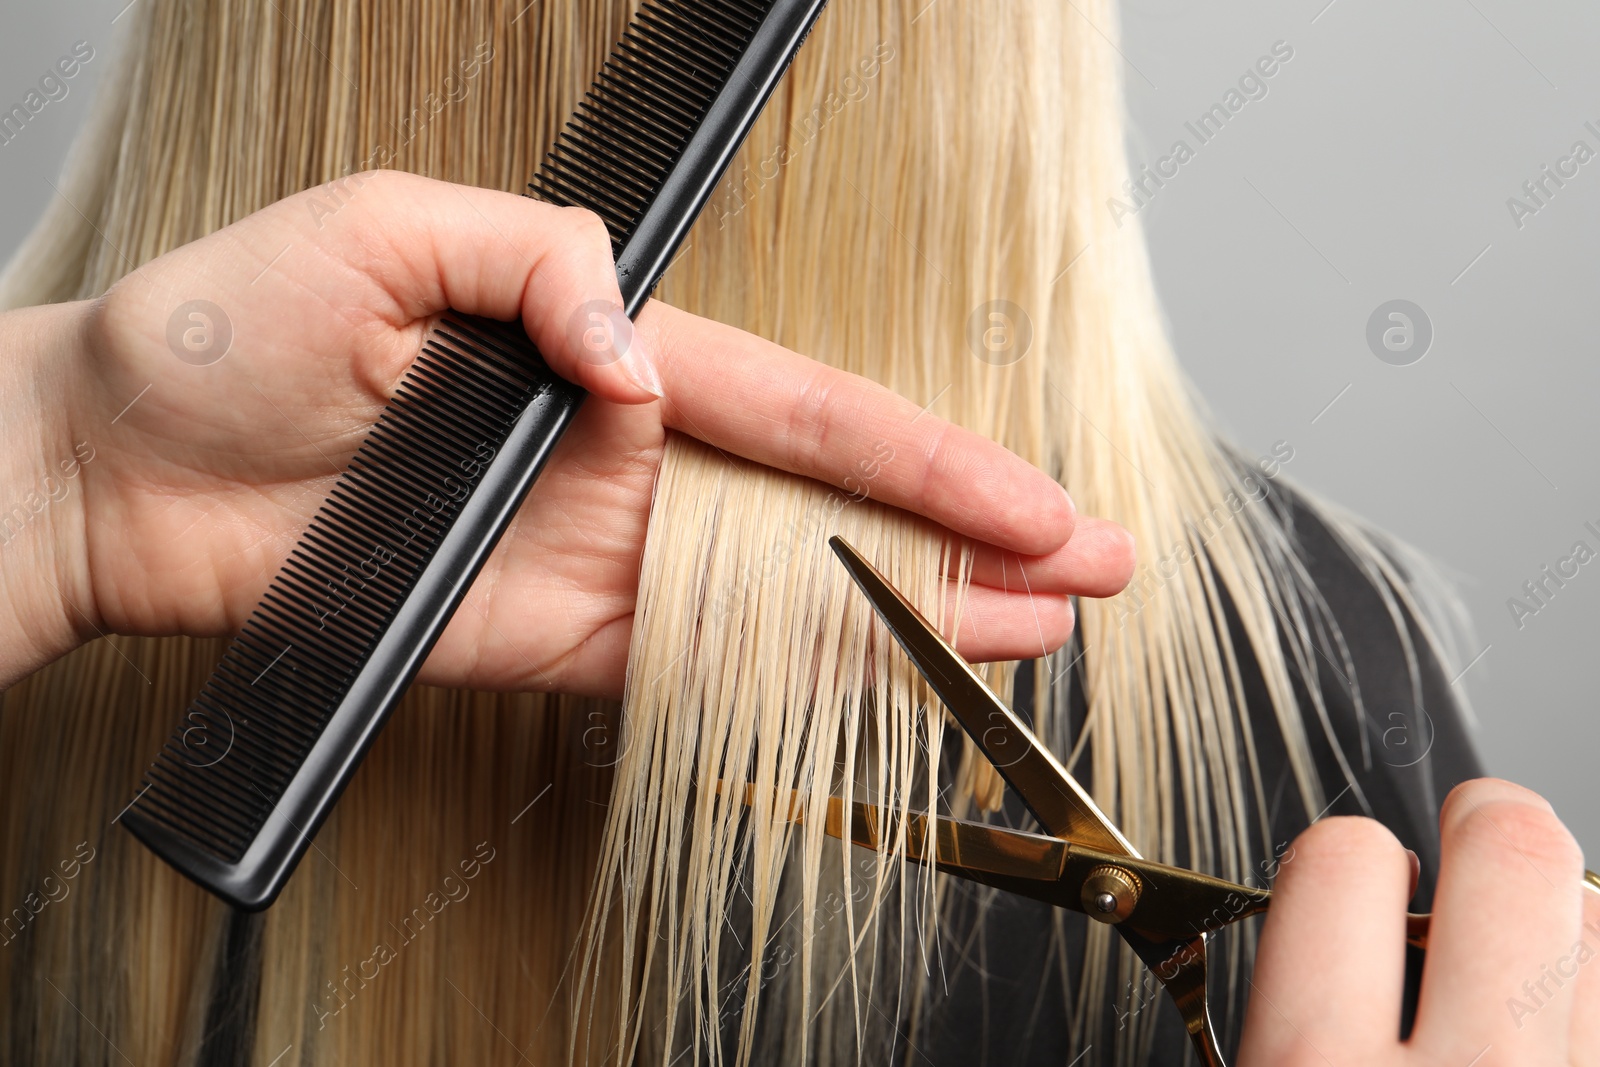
1166 914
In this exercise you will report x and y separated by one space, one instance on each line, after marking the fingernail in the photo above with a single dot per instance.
601 334
1416 870
1068 495
640 369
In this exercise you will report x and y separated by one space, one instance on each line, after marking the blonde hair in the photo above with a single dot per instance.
919 163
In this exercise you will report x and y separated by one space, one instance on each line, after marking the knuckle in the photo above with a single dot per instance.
108 317
935 457
381 184
587 228
119 318
810 422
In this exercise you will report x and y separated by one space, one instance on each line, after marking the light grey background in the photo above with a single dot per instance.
1376 167
35 37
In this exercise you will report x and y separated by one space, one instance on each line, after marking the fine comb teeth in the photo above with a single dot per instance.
631 153
616 151
235 796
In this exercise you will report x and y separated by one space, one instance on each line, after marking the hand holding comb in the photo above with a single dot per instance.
262 754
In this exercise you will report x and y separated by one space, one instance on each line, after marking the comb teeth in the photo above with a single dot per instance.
264 751
617 150
219 776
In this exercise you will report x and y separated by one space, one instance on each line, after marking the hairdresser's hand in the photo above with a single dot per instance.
206 469
1513 966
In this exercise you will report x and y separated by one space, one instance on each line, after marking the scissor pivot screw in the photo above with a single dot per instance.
1110 894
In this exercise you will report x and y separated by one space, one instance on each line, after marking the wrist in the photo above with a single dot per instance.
45 603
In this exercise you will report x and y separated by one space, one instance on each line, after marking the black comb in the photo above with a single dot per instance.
234 798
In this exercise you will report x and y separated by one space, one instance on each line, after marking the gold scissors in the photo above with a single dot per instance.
1082 863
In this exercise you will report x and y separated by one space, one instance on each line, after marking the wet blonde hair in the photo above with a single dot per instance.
922 169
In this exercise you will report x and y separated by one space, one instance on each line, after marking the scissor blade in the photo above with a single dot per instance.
1030 865
1173 907
1053 795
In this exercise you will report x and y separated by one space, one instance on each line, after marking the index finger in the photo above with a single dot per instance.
749 396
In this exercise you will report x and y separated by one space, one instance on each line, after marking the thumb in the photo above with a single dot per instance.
433 245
